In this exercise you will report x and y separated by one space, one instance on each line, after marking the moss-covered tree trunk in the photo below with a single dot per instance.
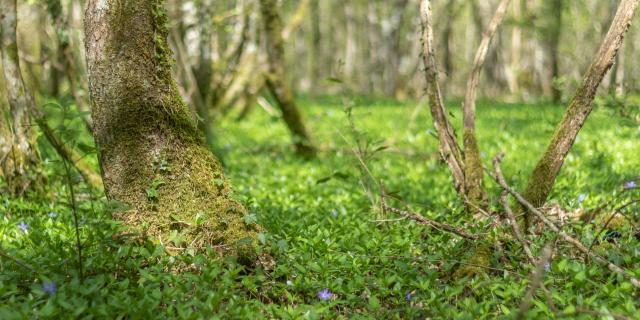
474 172
24 153
277 82
548 167
152 156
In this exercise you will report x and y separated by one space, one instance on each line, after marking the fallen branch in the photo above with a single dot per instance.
613 215
424 221
537 277
499 178
516 228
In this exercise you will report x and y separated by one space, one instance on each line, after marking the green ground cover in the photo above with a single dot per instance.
324 233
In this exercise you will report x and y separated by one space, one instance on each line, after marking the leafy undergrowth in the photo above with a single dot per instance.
336 255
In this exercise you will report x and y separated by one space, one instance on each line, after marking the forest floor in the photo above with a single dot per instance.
324 232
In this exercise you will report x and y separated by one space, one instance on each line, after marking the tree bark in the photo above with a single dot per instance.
393 47
152 156
474 172
452 10
6 141
554 31
19 172
316 46
276 79
449 148
546 171
54 7
24 109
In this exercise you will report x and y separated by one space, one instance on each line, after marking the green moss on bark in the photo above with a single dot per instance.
474 174
477 262
141 122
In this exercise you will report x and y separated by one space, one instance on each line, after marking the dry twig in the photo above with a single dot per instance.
499 178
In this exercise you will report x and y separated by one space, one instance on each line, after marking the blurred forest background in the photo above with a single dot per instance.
539 53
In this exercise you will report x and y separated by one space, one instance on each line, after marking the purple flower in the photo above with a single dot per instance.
23 226
408 296
547 266
52 215
581 197
334 213
630 185
49 287
325 295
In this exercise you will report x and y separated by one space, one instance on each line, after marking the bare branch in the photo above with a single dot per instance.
516 229
536 281
449 148
499 178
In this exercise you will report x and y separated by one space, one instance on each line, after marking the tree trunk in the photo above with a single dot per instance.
276 79
555 29
6 141
449 148
152 156
24 153
474 173
513 73
24 109
544 175
54 7
316 47
350 50
447 38
393 47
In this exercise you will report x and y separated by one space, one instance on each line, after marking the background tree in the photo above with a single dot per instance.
21 171
277 81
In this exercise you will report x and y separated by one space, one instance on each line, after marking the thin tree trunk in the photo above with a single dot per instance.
516 48
373 39
554 42
68 59
474 172
276 79
24 153
449 148
492 61
316 46
21 99
546 171
447 37
152 156
393 44
6 141
350 50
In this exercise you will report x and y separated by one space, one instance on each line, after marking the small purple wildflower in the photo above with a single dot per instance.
49 287
23 226
581 197
325 295
53 215
630 185
334 213
408 296
547 266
